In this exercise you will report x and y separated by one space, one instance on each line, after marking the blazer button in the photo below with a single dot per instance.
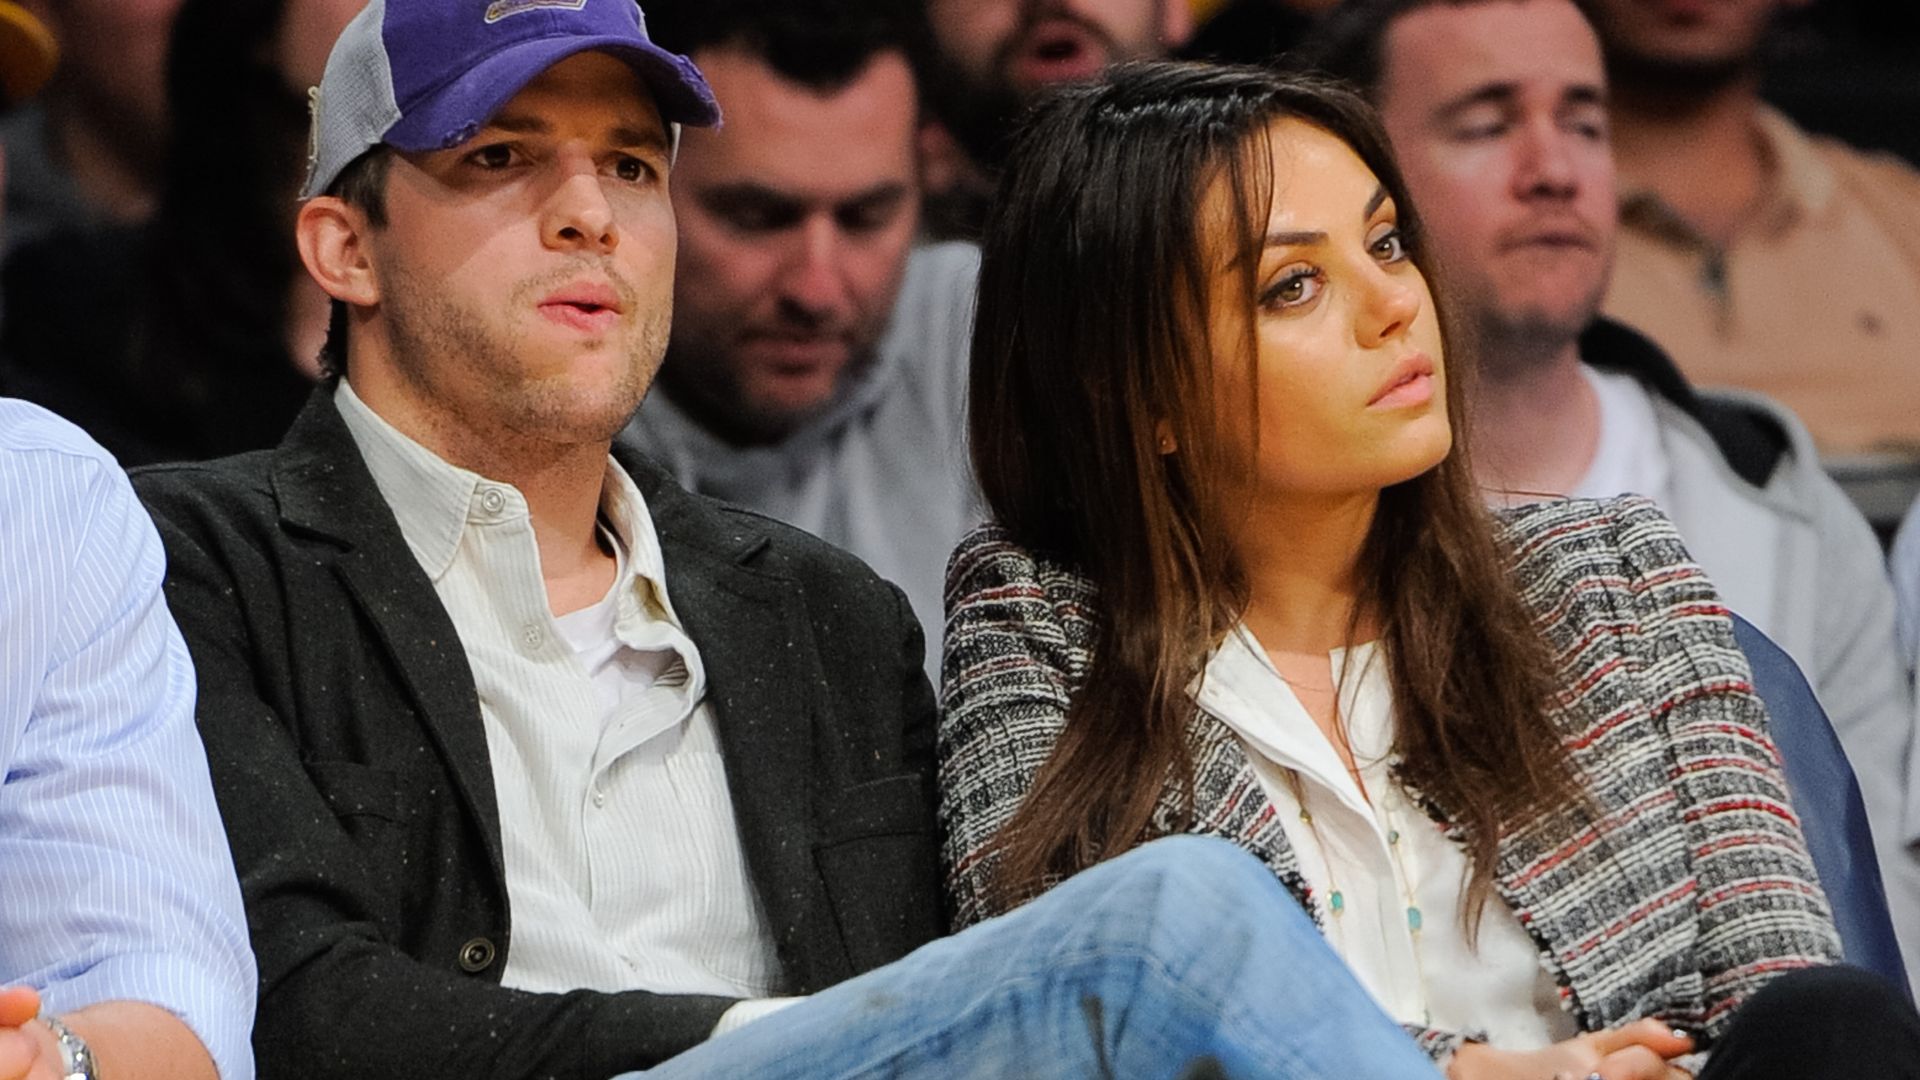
476 956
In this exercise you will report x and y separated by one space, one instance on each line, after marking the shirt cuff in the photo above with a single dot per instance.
746 1012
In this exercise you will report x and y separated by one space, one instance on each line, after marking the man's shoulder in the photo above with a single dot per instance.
714 528
1795 482
56 483
1878 184
1882 177
944 268
239 484
28 429
932 322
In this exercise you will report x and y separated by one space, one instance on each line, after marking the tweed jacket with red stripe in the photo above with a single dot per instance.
1683 892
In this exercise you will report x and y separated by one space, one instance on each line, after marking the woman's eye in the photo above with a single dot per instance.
1390 247
631 169
1294 289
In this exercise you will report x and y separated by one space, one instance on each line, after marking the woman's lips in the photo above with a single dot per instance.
1415 391
1410 384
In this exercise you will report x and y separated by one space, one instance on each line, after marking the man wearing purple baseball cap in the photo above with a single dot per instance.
536 765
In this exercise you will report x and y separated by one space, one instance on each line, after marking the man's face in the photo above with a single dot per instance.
1497 112
996 54
525 276
1704 37
1032 44
795 222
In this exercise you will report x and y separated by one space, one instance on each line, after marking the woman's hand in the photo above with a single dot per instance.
1636 1051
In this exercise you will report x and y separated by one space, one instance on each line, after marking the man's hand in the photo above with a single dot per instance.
28 1050
1637 1051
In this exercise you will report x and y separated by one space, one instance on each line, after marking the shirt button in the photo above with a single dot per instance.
533 635
477 956
599 797
492 501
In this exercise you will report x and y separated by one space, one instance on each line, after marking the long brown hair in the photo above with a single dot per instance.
1090 345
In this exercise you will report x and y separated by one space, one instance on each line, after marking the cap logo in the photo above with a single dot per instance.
501 9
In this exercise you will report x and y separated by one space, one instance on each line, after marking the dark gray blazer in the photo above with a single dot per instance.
348 755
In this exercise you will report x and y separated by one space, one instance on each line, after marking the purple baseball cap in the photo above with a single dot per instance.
423 75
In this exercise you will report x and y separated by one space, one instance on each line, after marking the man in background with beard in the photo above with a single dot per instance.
1758 255
1497 111
817 367
993 56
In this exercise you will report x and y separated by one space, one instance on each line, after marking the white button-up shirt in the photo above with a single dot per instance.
1382 856
623 863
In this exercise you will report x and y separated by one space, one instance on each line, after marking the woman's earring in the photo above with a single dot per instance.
1166 444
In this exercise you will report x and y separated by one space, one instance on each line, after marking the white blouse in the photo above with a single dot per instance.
1381 859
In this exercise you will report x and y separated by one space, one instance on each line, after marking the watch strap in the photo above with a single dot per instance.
76 1061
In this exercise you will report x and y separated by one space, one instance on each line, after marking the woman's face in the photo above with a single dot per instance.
1346 385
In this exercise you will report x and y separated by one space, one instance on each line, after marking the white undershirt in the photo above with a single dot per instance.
1629 457
623 862
1432 979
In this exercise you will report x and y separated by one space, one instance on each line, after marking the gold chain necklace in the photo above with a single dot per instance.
1336 899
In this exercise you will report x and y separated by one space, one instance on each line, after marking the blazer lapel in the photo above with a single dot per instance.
325 491
1229 802
757 646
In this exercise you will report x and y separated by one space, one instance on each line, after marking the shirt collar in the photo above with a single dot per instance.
1242 689
429 497
624 510
432 500
1803 181
1801 187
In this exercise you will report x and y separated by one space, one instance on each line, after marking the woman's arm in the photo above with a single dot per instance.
1760 908
1011 658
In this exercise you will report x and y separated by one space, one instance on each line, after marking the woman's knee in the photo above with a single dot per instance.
1198 878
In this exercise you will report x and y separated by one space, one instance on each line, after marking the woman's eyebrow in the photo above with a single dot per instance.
1315 236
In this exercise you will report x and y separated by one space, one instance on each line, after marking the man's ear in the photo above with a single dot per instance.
333 237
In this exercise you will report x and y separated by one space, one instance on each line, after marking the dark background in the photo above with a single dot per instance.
1851 68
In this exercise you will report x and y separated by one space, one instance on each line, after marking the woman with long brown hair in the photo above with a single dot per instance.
1239 583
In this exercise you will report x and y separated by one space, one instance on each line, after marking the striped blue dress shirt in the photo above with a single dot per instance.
115 878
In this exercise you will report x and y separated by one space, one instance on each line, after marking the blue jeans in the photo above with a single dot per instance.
1185 954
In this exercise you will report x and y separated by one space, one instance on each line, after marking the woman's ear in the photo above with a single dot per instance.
332 237
1163 439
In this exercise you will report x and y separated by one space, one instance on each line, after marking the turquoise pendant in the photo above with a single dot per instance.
1337 903
1413 919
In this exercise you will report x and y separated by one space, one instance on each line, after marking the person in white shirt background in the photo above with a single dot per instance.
1498 115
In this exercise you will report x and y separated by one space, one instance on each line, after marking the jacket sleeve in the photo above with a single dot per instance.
1006 681
1759 905
337 998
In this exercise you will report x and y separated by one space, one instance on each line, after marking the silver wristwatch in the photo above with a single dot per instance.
76 1061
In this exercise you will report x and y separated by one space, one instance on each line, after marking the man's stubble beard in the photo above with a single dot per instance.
982 110
1513 341
424 325
1682 80
705 386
